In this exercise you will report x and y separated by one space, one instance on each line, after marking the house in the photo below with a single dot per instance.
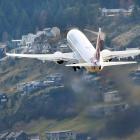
112 96
61 135
39 42
14 136
116 12
2 50
10 136
31 86
3 98
34 136
55 32
14 43
104 110
54 77
4 135
82 136
27 40
20 136
48 32
63 48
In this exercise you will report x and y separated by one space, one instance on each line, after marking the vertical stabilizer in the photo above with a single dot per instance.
99 43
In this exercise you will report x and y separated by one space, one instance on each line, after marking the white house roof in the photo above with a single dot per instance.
114 10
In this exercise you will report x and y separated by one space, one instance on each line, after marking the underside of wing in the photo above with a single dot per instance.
48 57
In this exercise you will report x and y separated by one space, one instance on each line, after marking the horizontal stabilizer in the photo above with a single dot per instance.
105 64
80 65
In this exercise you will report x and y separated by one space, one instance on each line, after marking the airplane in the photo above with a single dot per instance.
84 54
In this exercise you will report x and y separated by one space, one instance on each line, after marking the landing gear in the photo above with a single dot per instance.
109 60
76 68
60 62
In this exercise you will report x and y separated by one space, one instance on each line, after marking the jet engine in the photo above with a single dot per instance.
59 54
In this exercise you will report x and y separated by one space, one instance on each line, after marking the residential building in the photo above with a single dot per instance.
82 136
3 98
34 136
20 136
4 135
63 48
54 80
55 32
14 136
2 50
112 96
27 40
61 135
116 12
100 111
54 77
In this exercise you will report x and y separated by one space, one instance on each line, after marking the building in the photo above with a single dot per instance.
116 12
55 32
3 98
61 135
33 85
64 48
112 96
34 136
82 136
27 40
2 50
37 43
20 136
14 136
4 135
99 111
54 77
54 80
14 44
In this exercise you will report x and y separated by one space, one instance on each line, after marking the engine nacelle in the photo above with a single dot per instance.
105 52
58 53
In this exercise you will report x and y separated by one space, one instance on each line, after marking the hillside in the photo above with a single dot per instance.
128 37
59 109
75 105
35 15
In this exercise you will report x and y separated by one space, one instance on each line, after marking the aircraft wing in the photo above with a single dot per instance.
48 57
104 64
121 54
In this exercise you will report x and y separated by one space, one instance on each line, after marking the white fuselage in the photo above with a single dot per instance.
81 45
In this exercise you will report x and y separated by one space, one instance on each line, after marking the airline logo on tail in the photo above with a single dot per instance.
99 44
